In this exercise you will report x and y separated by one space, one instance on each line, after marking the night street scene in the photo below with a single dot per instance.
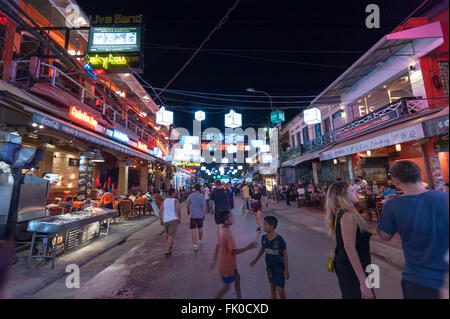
196 152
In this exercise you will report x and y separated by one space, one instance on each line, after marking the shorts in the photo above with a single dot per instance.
256 206
171 227
196 223
276 275
230 280
265 199
218 218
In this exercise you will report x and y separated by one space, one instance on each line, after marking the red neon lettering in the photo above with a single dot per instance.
82 116
142 146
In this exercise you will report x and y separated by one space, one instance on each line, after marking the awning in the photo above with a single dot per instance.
301 159
396 134
68 128
421 41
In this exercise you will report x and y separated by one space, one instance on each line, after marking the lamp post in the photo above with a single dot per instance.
252 90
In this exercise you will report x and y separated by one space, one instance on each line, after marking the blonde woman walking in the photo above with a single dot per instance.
352 253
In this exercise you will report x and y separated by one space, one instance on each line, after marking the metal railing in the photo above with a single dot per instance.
119 117
404 107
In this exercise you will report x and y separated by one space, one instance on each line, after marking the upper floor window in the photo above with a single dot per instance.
305 135
318 130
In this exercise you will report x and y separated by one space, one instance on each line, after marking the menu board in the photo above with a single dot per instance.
78 236
85 177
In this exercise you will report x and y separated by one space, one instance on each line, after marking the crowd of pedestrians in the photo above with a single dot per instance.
419 215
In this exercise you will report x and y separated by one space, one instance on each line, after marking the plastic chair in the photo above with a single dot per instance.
125 208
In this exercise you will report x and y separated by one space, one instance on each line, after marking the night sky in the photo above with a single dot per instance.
254 25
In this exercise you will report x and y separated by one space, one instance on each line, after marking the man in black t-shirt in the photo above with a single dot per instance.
219 202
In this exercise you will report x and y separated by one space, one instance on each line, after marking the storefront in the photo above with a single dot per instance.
372 155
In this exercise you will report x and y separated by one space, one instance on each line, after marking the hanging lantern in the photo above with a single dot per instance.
200 115
312 116
233 119
277 117
164 117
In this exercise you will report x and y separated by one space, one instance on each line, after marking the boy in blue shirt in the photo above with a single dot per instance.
276 257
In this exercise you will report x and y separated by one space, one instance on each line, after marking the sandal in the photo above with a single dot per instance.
168 253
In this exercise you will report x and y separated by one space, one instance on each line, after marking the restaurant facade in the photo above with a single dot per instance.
96 126
390 105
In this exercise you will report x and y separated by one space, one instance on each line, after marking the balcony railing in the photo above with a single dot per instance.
400 108
58 78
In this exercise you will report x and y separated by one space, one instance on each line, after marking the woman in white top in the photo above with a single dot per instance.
170 217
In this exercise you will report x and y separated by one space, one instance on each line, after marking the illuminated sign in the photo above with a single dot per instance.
109 61
233 119
312 116
188 164
116 19
114 39
214 147
142 146
83 117
257 143
277 116
193 140
120 136
390 116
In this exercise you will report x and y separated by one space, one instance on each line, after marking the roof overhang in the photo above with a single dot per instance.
403 43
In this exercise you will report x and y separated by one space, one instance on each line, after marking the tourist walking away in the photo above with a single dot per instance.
219 203
352 253
256 206
288 194
246 197
196 208
170 217
263 191
207 193
274 246
226 250
421 218
230 196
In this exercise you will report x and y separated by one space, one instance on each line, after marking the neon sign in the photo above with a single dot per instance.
121 136
83 117
106 61
142 146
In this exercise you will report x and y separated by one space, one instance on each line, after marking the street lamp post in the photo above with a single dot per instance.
273 125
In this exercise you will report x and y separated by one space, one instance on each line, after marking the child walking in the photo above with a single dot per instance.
276 257
226 249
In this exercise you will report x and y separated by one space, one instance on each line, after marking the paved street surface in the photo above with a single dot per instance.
139 269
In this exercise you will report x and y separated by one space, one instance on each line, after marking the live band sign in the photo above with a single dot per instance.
388 117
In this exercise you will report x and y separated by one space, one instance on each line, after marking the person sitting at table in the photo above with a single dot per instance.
68 204
125 206
324 188
56 202
107 199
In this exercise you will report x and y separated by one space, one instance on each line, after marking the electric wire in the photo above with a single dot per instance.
217 27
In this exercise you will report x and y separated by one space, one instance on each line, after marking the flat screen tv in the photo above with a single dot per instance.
53 178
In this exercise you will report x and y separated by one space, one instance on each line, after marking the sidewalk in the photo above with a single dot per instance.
23 282
313 218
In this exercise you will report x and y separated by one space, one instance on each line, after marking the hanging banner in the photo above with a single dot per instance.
397 137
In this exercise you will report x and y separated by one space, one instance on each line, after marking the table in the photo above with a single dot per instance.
70 228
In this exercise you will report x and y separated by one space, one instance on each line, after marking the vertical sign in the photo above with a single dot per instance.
85 177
